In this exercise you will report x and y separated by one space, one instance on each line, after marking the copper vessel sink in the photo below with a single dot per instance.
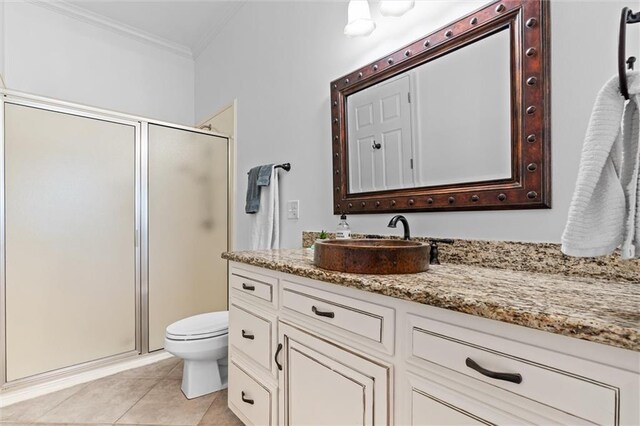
372 256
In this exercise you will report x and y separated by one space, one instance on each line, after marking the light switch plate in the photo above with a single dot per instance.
293 209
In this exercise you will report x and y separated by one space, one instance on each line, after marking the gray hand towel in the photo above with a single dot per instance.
253 191
258 176
264 175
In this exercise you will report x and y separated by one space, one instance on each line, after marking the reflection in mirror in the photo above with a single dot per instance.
456 120
447 121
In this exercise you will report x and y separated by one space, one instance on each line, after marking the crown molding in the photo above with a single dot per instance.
232 9
72 11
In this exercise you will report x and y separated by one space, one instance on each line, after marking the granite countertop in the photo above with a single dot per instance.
597 310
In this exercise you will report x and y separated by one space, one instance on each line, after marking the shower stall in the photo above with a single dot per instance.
111 228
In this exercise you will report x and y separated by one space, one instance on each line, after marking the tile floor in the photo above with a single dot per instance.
148 395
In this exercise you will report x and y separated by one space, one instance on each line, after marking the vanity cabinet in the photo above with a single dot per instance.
323 383
307 352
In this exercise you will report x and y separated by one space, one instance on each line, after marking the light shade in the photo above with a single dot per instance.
395 7
359 22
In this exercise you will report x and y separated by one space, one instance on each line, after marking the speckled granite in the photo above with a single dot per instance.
591 309
525 257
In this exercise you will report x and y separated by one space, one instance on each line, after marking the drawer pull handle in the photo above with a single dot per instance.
247 400
275 358
248 336
321 313
509 377
246 286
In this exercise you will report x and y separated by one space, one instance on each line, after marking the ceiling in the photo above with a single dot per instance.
186 24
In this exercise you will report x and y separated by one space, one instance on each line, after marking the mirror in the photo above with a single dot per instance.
406 131
456 120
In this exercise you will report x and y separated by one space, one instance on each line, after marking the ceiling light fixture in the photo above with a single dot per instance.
396 7
359 22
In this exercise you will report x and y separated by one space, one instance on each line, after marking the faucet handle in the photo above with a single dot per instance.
433 253
442 240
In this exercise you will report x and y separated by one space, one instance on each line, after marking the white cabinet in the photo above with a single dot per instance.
323 354
251 334
344 319
251 400
253 385
449 399
569 393
426 410
324 384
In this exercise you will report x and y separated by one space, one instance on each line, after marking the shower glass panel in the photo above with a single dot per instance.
187 226
70 265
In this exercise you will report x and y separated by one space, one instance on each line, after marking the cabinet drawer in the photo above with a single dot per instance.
427 410
361 318
249 397
440 400
251 284
251 334
564 391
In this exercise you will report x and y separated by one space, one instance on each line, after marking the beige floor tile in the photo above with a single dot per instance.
101 401
157 370
219 413
31 410
176 373
165 404
70 424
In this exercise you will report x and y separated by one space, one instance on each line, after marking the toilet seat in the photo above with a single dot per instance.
199 327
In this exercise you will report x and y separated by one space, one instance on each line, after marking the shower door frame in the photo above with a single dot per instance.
141 207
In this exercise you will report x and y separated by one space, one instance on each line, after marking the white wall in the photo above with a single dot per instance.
50 54
278 58
480 144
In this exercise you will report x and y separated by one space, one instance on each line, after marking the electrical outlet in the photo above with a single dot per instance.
293 209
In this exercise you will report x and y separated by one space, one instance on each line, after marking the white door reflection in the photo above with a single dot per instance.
379 144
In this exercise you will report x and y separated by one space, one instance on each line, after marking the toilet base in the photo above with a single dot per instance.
200 377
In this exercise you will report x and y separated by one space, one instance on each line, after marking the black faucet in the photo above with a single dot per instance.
394 220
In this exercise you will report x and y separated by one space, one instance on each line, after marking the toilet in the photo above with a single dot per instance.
201 341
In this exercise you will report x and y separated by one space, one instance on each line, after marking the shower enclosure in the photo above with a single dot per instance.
112 228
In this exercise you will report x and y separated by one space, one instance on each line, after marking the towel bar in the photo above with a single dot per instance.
627 17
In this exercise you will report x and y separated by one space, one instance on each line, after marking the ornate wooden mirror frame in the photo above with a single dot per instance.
530 182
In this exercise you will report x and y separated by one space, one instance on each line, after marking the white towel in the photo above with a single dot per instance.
265 232
597 222
631 177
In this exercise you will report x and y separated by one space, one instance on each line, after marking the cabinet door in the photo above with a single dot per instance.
324 384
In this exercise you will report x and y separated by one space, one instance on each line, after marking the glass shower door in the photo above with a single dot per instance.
70 251
187 226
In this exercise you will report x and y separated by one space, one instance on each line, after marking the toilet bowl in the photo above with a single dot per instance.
201 341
